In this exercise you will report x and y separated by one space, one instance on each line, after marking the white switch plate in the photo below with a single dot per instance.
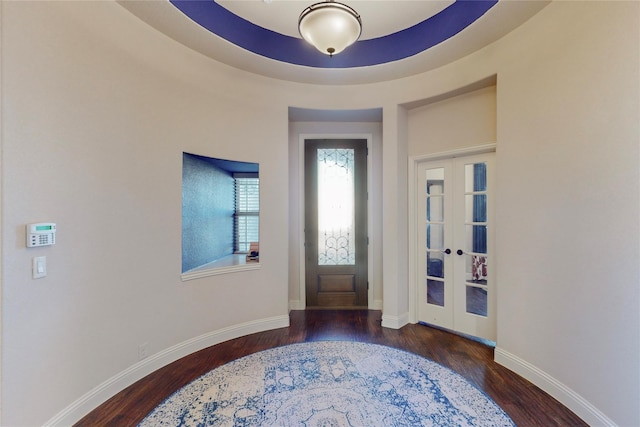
39 267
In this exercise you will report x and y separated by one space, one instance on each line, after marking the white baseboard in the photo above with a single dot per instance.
569 398
395 322
91 400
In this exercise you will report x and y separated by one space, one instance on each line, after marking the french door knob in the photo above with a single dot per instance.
447 251
459 252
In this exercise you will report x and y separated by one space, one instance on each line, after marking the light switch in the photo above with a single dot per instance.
39 267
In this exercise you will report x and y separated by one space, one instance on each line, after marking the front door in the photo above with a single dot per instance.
456 244
336 223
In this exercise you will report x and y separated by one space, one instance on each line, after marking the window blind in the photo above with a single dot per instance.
247 214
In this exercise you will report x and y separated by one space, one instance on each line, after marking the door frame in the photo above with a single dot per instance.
412 168
301 210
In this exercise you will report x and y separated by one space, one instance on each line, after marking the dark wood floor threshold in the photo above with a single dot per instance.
526 404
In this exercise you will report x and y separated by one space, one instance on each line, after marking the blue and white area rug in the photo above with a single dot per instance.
329 384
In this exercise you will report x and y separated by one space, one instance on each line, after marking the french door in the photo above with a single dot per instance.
456 261
336 223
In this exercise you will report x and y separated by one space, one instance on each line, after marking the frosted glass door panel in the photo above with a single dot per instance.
336 213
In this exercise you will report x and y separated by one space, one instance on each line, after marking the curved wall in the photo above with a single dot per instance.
97 109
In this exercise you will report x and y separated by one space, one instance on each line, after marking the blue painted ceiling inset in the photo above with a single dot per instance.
393 47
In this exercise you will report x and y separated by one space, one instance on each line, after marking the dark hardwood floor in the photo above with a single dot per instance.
525 403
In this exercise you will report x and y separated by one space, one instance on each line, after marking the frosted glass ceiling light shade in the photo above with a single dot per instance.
330 26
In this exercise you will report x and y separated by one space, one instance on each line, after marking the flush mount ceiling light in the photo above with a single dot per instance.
330 26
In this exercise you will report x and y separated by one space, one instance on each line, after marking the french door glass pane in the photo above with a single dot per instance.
475 177
435 292
435 264
475 208
336 210
435 181
435 236
477 301
435 208
476 238
476 269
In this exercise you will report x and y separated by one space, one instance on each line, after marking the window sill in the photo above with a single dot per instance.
228 264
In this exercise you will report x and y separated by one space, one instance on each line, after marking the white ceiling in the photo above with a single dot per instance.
379 18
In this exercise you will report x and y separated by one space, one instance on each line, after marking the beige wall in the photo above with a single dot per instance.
111 104
568 198
459 121
95 122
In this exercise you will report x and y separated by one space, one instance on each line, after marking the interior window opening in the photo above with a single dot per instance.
220 214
